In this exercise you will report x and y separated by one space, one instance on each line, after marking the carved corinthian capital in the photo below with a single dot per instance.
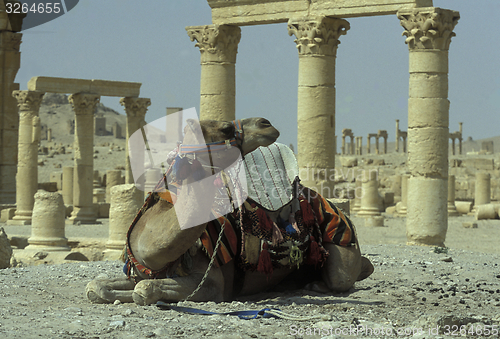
320 36
135 107
28 102
428 28
216 43
84 103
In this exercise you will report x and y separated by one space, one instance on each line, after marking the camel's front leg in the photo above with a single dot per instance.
103 291
150 291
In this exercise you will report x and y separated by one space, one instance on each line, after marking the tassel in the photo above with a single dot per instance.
292 221
265 265
264 220
290 230
314 256
296 257
277 236
307 212
197 170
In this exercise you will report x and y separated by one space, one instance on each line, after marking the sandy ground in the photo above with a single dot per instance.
413 289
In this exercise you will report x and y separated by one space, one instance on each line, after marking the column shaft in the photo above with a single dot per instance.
317 42
136 109
429 32
27 167
10 60
218 47
84 106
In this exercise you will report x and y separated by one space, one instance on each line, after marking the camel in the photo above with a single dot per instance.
168 261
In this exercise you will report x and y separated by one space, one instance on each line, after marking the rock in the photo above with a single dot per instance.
348 162
5 249
469 225
117 323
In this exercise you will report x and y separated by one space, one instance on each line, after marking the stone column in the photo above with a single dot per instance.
218 47
376 146
385 145
27 167
113 178
429 32
317 42
136 109
482 193
368 146
126 200
67 185
397 136
404 196
370 197
10 61
343 145
84 106
460 139
47 232
452 210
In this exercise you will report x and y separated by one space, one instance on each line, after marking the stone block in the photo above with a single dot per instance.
374 221
57 178
480 164
100 87
244 12
348 161
48 186
469 225
7 214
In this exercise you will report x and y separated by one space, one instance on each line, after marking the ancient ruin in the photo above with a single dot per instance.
347 132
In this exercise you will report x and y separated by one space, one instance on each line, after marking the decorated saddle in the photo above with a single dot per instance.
280 224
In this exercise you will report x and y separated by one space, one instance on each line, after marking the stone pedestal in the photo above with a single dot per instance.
84 106
10 60
358 194
317 42
370 198
218 47
113 178
47 231
452 210
67 185
136 109
27 167
428 34
126 200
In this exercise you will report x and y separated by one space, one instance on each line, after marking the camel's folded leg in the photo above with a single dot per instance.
149 291
344 266
103 291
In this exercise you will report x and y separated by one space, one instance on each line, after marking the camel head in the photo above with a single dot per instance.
243 135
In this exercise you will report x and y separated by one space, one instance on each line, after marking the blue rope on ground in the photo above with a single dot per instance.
246 315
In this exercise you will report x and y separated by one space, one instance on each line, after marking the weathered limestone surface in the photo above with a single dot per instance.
113 178
27 167
253 12
99 87
428 34
483 189
218 47
126 200
317 42
136 109
84 106
47 231
67 184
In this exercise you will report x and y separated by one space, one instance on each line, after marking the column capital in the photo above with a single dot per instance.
429 27
28 101
84 103
217 43
318 36
135 106
10 41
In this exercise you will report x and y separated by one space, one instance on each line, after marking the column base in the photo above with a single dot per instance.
369 213
82 215
112 255
452 210
19 222
46 248
117 245
48 244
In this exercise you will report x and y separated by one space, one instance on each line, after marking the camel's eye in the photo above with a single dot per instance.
265 123
229 129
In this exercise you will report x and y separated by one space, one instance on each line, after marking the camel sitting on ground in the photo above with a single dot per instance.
170 259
